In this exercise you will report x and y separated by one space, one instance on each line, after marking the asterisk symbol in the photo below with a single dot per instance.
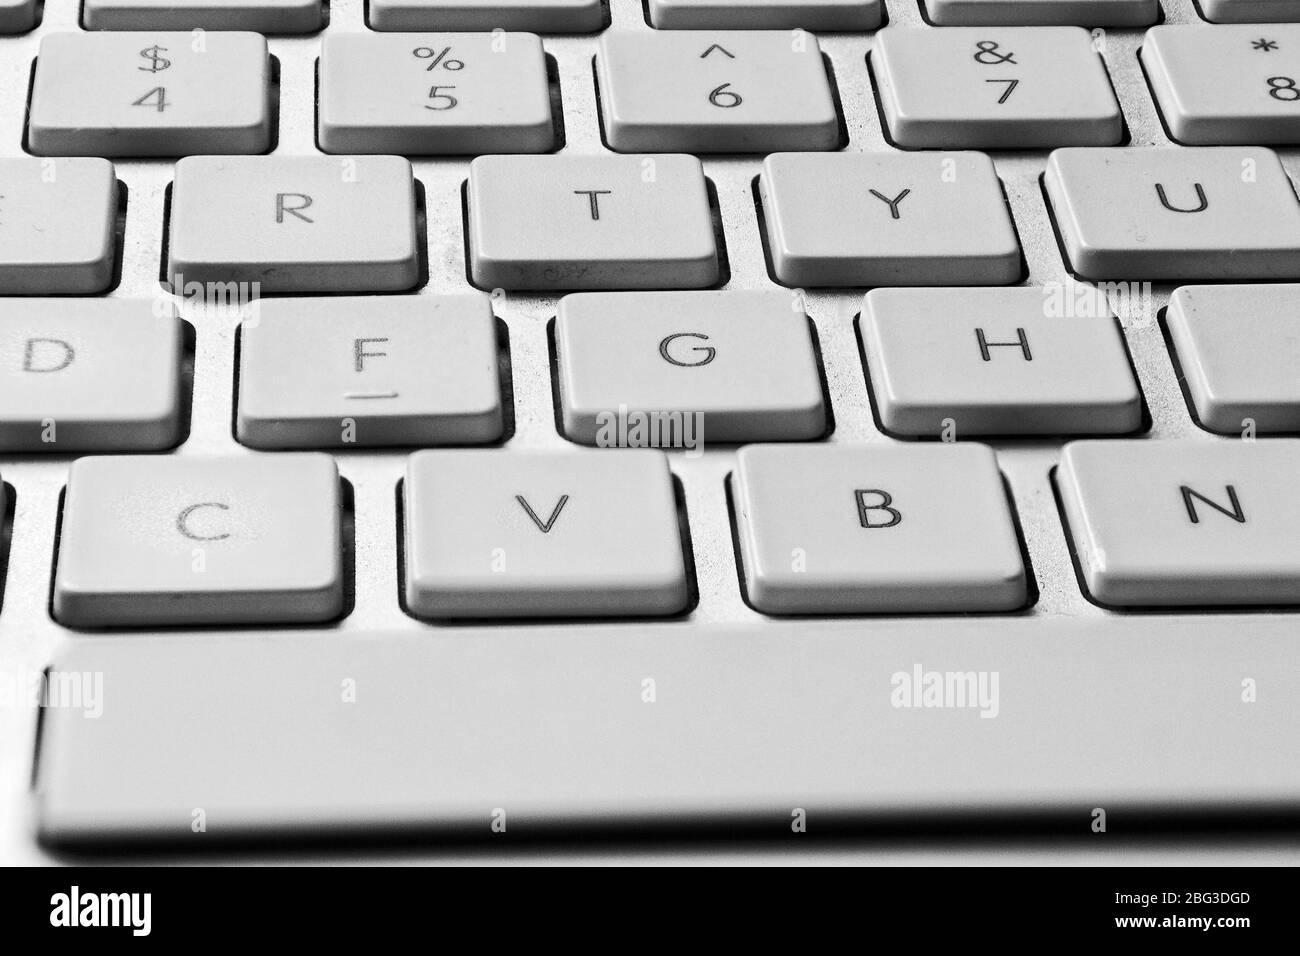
1265 45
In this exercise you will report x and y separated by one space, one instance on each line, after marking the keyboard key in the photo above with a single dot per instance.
1164 523
714 92
357 372
1030 13
152 541
680 368
1170 214
89 375
434 94
1250 11
1226 85
827 15
878 529
17 16
550 725
590 222
150 94
865 219
995 362
1011 88
295 224
58 226
534 16
261 16
541 534
1238 347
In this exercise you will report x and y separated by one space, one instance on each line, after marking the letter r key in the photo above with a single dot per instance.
295 224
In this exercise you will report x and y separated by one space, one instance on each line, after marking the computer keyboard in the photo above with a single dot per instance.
483 416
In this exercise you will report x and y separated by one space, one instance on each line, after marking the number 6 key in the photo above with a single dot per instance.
706 91
150 94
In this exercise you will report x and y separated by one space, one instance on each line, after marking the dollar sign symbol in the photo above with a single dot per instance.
156 60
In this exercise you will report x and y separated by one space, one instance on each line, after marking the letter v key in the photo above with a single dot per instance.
550 522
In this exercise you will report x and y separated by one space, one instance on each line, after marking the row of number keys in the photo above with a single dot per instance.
168 94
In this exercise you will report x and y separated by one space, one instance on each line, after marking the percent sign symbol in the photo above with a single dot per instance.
438 58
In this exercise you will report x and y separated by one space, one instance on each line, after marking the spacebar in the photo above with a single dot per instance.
538 726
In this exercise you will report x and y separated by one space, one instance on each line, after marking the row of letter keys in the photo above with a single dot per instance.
722 366
605 222
494 534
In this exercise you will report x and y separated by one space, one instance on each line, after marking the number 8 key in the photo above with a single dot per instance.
1226 85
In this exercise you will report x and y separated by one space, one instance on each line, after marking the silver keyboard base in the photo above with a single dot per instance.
1097 707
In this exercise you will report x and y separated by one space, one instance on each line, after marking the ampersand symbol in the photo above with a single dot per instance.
988 54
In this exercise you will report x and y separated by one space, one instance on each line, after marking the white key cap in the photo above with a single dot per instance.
878 529
150 94
420 93
262 16
512 534
822 15
1250 11
357 372
535 16
1198 213
1164 523
295 224
179 541
89 375
590 222
1031 13
17 16
549 723
954 362
1009 88
714 92
1230 84
1239 347
689 367
862 219
58 226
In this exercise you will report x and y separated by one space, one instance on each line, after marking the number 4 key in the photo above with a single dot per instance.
150 94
